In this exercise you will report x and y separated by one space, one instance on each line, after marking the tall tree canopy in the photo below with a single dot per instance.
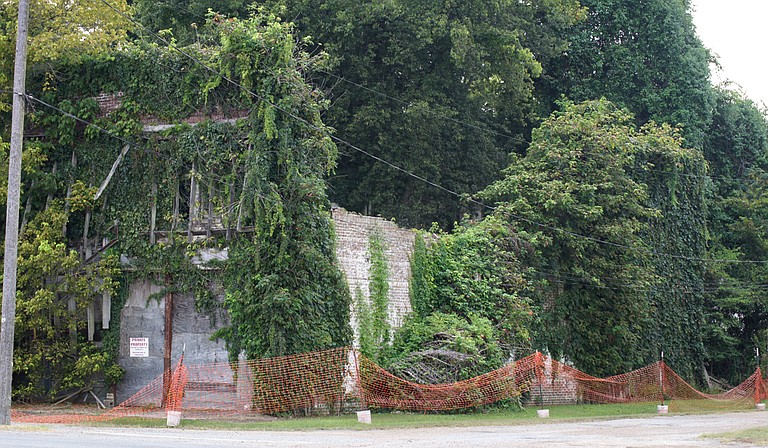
183 18
577 190
443 90
643 55
736 148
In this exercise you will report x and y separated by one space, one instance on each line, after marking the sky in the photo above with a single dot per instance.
736 31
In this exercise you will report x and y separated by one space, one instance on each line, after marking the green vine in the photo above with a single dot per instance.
378 286
364 325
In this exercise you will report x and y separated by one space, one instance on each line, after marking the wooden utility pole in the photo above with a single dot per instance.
12 216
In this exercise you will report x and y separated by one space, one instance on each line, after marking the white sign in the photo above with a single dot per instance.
139 347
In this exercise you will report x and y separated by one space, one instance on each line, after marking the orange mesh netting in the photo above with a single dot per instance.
166 391
331 381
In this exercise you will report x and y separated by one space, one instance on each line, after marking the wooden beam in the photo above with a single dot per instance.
153 213
168 333
106 309
105 184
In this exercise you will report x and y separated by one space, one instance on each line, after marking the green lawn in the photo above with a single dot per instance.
756 436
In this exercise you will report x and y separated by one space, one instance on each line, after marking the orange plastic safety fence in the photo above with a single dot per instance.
153 399
309 382
330 381
381 389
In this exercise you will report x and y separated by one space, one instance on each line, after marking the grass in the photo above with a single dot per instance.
755 436
384 420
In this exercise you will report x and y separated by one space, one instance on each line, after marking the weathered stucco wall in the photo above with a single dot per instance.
143 317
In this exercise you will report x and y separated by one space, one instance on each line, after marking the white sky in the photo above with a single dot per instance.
737 32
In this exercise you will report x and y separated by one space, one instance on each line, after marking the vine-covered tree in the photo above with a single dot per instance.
676 182
476 270
264 175
736 148
52 353
575 193
285 292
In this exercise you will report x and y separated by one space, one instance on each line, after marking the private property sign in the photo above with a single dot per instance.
139 347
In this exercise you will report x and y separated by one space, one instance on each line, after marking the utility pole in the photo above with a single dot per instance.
12 216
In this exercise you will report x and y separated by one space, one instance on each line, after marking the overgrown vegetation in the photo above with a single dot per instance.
375 333
284 292
52 353
621 227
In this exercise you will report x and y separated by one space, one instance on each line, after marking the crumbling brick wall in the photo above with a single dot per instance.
353 232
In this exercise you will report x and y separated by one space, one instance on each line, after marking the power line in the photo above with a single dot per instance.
616 284
517 139
80 120
427 181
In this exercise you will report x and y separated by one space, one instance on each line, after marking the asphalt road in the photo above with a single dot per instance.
659 431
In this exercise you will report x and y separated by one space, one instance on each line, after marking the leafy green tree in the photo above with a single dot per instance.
285 292
643 55
443 90
184 18
737 309
573 192
476 270
736 149
54 289
676 182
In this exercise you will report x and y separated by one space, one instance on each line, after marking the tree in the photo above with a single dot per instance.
476 270
285 292
573 191
54 290
442 90
59 30
676 182
185 17
736 147
642 55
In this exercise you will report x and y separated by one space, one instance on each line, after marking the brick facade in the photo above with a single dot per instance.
353 232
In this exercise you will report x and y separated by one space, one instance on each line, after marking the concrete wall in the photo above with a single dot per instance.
143 317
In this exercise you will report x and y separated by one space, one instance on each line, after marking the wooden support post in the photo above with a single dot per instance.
72 308
210 212
69 193
168 330
230 209
192 202
153 213
49 198
90 314
106 309
87 252
176 202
